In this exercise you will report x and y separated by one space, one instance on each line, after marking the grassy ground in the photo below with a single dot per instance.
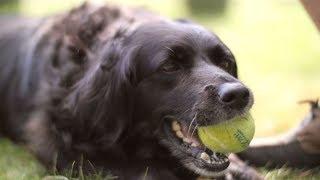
278 52
18 164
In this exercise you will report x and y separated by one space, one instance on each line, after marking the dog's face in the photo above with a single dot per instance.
185 78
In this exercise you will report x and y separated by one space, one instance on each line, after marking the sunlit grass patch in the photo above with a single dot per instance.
16 163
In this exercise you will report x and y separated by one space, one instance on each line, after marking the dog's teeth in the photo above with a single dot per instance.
175 126
215 157
187 140
193 144
205 157
179 134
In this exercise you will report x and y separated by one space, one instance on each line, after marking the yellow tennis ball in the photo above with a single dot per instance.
230 136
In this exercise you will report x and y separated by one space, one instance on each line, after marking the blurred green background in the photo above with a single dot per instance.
276 45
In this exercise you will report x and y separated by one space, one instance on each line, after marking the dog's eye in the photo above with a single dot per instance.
170 67
224 64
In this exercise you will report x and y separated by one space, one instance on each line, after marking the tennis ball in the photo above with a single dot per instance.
230 136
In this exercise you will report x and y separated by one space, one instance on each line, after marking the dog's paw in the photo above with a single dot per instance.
241 171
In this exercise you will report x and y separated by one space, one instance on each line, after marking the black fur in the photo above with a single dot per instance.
101 82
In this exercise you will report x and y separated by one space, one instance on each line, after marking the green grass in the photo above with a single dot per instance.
17 164
278 53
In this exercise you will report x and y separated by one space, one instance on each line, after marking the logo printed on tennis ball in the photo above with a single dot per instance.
241 138
231 136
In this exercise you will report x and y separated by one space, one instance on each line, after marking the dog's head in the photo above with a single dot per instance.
183 76
175 76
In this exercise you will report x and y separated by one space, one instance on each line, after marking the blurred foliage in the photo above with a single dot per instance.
9 6
207 7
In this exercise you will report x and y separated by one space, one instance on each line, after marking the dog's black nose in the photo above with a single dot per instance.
234 95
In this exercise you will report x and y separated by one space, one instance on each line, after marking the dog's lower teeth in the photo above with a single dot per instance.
175 126
205 157
218 158
187 140
215 157
194 144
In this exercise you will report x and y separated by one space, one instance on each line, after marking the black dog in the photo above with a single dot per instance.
122 88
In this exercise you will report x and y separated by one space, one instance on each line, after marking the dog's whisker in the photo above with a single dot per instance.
170 49
190 125
195 128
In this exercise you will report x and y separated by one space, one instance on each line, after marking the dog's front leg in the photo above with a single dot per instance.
238 169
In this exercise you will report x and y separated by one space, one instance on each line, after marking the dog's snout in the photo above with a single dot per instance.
234 95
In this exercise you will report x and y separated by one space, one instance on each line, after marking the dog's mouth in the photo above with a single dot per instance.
184 144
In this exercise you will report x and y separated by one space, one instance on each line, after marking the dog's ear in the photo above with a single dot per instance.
110 56
103 95
81 29
118 58
78 51
128 65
